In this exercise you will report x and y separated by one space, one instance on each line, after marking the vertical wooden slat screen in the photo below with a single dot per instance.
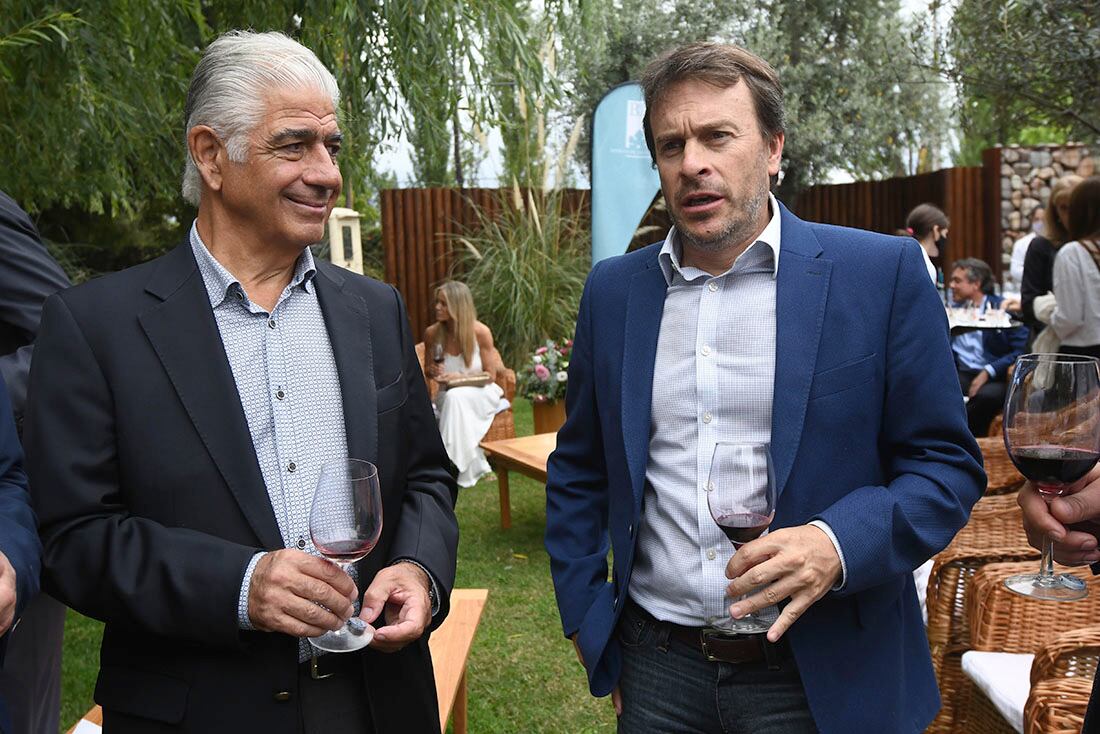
966 195
418 226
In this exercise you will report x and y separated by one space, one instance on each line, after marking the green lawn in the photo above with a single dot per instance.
523 675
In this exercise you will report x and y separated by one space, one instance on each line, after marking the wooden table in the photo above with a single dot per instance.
527 455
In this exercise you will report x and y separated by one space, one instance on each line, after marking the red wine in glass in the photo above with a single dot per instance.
345 524
1052 433
741 499
741 527
437 353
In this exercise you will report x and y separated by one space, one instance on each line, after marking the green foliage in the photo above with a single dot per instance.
1026 70
526 268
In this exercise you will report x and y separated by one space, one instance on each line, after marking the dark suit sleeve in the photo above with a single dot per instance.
428 530
28 275
98 558
1038 278
577 488
18 534
931 461
1015 341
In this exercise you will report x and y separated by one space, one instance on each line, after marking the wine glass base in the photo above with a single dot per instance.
748 625
343 640
1063 587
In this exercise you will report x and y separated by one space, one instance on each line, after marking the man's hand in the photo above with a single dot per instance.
976 384
292 592
401 592
1080 503
7 594
800 563
616 696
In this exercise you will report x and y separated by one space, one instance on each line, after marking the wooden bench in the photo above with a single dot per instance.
450 646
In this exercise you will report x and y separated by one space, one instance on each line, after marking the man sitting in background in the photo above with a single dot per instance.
982 356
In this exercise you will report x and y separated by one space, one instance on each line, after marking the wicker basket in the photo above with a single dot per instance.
1001 472
1057 706
1002 621
993 534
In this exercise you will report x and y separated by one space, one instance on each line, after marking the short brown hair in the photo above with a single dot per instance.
721 65
1084 209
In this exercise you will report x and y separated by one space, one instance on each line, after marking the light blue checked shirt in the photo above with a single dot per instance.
713 381
286 377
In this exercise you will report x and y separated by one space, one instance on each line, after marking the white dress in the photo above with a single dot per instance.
465 414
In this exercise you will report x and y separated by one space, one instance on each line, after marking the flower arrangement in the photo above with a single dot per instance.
544 377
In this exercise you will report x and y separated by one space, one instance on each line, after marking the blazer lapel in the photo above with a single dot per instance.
185 337
801 288
348 323
644 308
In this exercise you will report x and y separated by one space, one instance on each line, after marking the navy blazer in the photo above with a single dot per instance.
18 531
868 434
1001 347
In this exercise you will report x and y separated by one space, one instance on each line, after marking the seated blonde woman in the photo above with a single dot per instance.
460 356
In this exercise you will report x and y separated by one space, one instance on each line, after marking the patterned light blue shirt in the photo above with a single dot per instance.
289 387
714 376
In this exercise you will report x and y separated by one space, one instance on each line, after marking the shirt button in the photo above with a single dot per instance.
292 467
239 295
706 417
705 350
712 286
271 323
301 542
711 554
280 394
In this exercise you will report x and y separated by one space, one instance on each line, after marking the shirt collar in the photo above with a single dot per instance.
672 250
221 284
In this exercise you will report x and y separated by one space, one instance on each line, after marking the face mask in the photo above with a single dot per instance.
941 243
1037 227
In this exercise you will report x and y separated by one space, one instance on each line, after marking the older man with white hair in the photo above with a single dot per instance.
179 417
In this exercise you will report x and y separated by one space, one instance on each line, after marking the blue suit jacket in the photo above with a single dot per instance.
868 434
18 531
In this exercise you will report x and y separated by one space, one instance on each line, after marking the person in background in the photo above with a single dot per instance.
31 676
1020 246
928 225
982 356
459 348
1076 315
20 551
1038 276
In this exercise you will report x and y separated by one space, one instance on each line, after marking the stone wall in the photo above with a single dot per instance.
1026 178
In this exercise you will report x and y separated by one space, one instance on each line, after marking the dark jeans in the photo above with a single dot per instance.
989 401
669 687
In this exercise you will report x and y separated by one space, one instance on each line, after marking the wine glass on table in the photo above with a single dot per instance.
1052 433
741 498
345 524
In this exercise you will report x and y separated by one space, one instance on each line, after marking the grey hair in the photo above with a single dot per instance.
226 90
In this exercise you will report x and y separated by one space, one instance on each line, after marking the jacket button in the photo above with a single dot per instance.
282 696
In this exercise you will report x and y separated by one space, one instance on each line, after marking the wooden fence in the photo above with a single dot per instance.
418 231
966 195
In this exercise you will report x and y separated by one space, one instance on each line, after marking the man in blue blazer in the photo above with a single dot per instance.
984 356
749 325
20 551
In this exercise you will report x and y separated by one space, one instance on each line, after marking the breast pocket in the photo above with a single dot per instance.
844 376
392 396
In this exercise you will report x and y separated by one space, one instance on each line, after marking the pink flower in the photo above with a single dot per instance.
541 350
542 373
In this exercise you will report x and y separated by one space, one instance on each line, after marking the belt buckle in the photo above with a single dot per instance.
314 673
705 636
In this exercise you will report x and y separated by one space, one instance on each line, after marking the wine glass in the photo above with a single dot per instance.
1052 433
345 523
741 498
437 353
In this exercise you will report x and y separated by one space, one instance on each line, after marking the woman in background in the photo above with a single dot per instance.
1038 278
460 356
1076 315
927 224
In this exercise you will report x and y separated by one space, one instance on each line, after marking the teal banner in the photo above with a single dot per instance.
624 181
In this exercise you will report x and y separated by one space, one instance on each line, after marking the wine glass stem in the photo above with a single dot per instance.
1046 570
